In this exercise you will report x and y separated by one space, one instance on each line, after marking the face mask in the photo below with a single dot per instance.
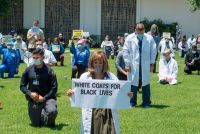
80 47
39 46
120 48
194 52
98 68
36 62
140 36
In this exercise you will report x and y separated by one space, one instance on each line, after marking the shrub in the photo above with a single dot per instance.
161 26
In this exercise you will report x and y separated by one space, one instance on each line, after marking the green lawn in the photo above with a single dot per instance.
175 109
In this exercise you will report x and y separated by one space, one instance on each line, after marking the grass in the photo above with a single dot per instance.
175 109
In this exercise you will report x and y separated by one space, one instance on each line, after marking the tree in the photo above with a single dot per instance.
5 7
195 4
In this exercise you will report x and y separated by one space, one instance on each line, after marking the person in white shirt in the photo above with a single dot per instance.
168 69
166 42
34 34
49 58
20 46
191 41
107 46
183 47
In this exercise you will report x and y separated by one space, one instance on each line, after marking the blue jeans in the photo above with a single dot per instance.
145 95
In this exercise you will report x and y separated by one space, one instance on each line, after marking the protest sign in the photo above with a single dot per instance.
56 48
7 39
77 34
100 94
166 35
86 34
35 30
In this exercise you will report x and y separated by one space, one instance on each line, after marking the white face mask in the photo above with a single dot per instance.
194 52
37 62
39 46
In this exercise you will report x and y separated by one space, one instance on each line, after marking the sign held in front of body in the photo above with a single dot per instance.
100 94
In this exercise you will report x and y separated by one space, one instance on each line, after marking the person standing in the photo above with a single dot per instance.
98 120
120 65
39 84
139 56
154 32
34 34
183 47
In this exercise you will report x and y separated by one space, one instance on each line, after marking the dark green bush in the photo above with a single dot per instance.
163 27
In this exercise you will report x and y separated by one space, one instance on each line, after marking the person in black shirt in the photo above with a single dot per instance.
192 61
41 91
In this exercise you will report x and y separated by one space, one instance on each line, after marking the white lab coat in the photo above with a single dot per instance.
168 69
180 47
162 47
190 42
21 47
86 113
132 58
49 57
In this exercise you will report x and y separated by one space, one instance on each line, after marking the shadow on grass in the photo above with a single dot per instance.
2 86
59 127
155 106
159 106
58 95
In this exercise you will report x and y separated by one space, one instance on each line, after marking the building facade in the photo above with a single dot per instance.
99 17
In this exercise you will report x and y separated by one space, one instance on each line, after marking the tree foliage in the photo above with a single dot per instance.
195 4
5 7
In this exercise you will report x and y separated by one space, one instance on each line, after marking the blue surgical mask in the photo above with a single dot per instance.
140 36
37 62
80 47
98 68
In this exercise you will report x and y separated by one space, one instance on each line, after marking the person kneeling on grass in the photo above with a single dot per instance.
98 120
168 69
41 91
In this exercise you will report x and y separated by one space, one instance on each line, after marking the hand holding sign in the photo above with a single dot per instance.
100 94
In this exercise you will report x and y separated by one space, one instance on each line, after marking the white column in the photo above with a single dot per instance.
90 16
98 17
34 9
138 11
42 14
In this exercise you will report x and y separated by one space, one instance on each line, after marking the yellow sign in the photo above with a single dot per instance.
166 35
56 48
77 34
